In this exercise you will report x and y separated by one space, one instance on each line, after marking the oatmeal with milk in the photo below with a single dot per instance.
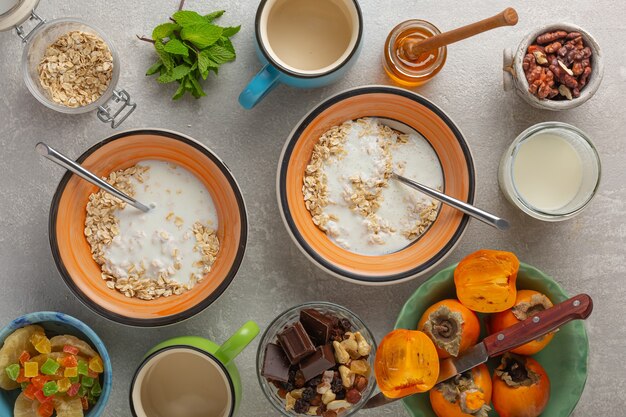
351 196
163 252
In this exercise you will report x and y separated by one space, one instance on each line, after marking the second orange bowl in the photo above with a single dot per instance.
397 106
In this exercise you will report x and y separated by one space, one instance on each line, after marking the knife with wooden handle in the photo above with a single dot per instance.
540 324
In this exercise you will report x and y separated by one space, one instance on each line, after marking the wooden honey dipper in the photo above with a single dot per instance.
413 48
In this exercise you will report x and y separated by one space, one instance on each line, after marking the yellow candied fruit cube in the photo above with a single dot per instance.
64 384
31 369
96 365
70 372
43 346
35 338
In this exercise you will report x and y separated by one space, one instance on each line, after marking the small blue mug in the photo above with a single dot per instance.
303 43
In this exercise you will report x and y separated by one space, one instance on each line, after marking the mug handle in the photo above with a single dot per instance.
262 83
237 342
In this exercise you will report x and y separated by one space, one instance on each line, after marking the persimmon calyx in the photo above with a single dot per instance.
525 309
514 373
444 327
463 390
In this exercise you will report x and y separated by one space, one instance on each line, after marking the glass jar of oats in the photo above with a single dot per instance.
68 65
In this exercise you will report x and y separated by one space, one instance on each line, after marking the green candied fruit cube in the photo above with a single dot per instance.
82 391
83 368
74 379
91 399
12 371
87 381
50 388
50 367
96 390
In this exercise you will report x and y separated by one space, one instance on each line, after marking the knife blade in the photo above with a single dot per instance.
540 324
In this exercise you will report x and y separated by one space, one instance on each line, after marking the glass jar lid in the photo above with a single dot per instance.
15 12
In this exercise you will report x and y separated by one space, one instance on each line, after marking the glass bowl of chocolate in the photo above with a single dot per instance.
317 359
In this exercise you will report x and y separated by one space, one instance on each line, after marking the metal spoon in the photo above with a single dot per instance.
58 158
475 212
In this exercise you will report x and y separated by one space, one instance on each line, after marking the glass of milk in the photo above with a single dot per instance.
551 171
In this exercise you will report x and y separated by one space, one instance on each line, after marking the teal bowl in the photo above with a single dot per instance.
56 324
564 359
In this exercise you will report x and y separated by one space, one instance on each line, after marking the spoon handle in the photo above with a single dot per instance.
60 159
475 212
508 17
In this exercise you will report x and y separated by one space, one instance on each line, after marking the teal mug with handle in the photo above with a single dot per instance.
190 377
303 43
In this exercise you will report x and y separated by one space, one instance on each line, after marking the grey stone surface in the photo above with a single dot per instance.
586 254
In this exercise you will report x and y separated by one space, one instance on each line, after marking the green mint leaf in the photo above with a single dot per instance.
176 74
204 63
202 35
167 59
187 17
220 54
176 47
212 16
226 43
230 31
180 91
197 91
164 31
155 68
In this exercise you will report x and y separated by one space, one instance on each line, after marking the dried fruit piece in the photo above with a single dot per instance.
68 407
25 407
485 280
551 37
31 369
16 343
58 344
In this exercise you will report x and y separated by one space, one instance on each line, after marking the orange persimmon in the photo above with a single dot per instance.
466 395
406 363
527 303
521 387
485 280
452 327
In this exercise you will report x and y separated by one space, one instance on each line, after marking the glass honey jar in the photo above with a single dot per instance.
400 66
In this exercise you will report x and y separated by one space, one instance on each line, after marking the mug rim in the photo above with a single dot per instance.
212 357
285 70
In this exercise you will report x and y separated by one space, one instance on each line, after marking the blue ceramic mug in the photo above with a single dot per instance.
303 43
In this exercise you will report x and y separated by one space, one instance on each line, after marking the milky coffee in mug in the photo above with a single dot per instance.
182 382
303 43
308 35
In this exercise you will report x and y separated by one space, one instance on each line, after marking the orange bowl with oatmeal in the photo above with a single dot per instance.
156 268
339 202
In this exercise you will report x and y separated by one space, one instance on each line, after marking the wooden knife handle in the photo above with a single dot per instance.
578 307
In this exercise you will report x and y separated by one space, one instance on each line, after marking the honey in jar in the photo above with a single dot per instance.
407 70
406 363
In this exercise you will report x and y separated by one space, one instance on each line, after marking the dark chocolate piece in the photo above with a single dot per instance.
322 360
317 325
275 364
296 343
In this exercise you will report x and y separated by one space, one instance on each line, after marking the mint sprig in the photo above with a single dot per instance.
188 48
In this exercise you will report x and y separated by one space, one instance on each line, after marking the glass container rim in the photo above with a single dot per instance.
42 98
393 35
539 128
313 304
